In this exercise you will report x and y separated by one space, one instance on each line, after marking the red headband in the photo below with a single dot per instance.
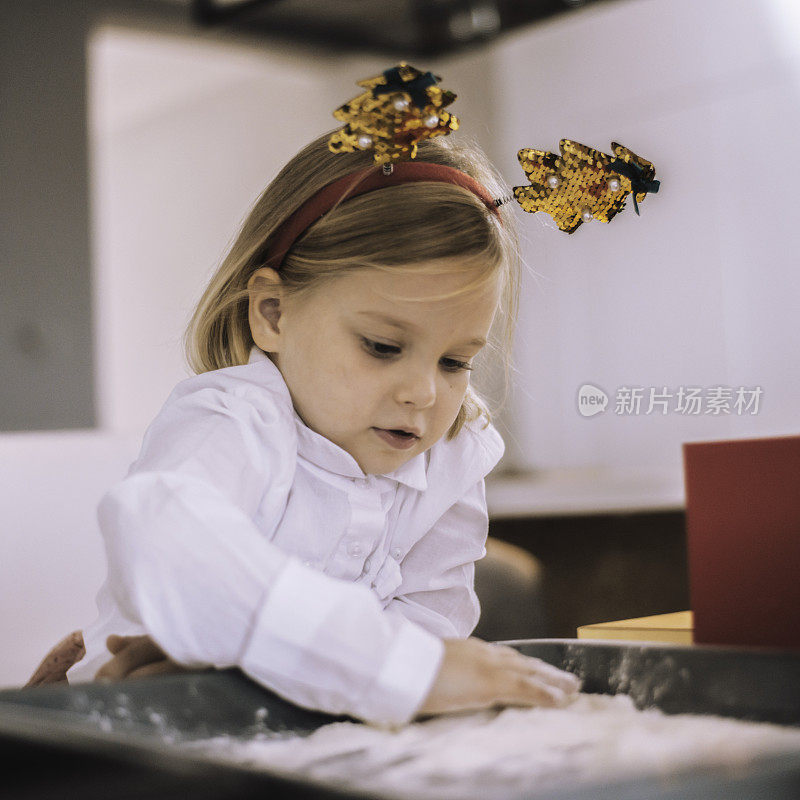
366 180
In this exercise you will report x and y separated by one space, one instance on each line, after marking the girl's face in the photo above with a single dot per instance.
373 362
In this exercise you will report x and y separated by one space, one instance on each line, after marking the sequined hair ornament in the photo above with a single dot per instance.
583 184
398 108
404 105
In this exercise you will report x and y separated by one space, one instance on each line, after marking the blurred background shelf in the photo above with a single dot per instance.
583 491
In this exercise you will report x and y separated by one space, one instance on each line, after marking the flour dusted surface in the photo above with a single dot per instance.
596 738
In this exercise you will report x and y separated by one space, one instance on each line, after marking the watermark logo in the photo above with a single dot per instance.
591 400
685 400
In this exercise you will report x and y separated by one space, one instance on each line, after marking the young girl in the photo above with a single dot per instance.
310 505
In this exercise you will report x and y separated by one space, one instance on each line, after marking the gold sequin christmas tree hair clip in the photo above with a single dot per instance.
583 184
400 107
403 105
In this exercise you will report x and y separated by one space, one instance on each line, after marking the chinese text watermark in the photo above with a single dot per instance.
686 400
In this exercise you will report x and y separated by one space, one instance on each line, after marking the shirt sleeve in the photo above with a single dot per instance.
188 563
437 590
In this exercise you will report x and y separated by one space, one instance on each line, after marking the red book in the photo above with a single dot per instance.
743 530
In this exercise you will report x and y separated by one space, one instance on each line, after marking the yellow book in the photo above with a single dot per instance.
676 628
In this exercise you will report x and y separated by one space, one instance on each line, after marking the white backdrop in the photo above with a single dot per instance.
701 289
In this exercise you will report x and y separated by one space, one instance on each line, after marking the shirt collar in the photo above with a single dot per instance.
323 453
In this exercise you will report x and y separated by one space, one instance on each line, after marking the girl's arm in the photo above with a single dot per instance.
188 563
437 592
437 589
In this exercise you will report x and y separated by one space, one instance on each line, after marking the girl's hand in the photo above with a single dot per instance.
475 674
136 657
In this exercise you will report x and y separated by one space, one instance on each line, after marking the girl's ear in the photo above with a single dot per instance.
264 312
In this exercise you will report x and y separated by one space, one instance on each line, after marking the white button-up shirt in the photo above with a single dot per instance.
240 537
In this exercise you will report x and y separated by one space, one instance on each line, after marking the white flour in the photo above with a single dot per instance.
596 738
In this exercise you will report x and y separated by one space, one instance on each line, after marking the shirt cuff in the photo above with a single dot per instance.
407 675
327 644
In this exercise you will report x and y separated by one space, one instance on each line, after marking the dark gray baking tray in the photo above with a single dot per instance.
116 740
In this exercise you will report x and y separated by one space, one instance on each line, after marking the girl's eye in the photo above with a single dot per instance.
379 349
382 350
454 365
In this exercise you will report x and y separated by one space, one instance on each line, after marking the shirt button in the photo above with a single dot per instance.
308 563
397 554
354 549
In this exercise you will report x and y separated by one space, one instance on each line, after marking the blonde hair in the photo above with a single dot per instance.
433 227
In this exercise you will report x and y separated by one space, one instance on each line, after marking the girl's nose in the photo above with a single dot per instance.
417 387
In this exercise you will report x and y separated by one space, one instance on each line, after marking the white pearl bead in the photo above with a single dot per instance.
400 104
432 121
364 141
586 215
613 184
553 181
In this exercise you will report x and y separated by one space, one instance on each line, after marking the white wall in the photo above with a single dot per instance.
184 137
52 560
702 288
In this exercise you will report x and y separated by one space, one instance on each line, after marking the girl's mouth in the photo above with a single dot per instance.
400 440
